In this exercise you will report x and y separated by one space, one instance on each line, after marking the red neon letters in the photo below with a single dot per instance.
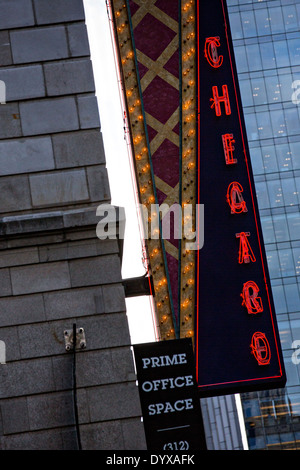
245 251
235 199
228 147
217 100
260 348
211 52
252 302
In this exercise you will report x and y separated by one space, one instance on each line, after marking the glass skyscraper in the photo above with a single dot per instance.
266 39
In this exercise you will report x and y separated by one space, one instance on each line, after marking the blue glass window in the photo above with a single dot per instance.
263 22
251 126
275 193
256 161
294 225
262 195
294 51
278 123
290 18
273 263
264 125
236 26
259 91
241 59
292 298
281 53
253 55
269 159
248 24
246 93
277 25
289 191
284 157
268 55
287 266
295 154
279 299
280 228
292 121
268 229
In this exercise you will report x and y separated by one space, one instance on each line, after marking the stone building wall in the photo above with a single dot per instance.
54 271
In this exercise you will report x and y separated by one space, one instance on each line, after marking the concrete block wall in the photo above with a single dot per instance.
51 148
54 271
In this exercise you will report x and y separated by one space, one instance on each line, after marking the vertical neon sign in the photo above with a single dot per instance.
237 342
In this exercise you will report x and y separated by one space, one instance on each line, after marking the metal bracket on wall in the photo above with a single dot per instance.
80 339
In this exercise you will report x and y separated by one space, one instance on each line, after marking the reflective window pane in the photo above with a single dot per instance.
262 195
241 59
294 51
269 159
259 91
290 18
281 54
264 125
295 154
248 24
277 25
268 55
275 193
256 161
253 56
263 22
294 225
292 297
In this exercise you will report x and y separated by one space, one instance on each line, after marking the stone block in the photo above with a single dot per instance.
81 218
64 251
41 339
58 188
114 298
39 44
52 439
133 434
49 116
98 183
40 278
116 401
102 436
15 415
94 271
78 40
10 121
38 222
88 112
18 257
50 410
26 155
58 11
107 331
67 77
22 309
20 378
81 148
70 304
14 194
5 285
5 52
16 14
23 82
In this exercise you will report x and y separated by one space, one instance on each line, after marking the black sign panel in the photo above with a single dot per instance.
237 341
169 395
